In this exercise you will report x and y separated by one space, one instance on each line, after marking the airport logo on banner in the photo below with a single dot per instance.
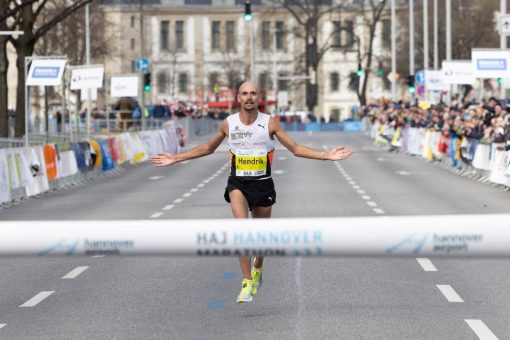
124 86
87 78
46 72
488 63
458 72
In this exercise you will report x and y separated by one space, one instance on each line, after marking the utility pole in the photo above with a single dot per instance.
436 39
503 12
393 51
425 34
449 41
142 90
411 42
87 52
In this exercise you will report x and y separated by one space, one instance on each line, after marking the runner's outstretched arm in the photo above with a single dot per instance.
165 158
336 154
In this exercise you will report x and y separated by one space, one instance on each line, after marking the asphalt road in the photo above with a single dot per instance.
302 298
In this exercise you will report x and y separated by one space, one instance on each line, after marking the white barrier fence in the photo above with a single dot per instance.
449 235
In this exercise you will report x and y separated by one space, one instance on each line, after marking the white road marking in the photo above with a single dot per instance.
426 264
188 194
168 207
361 192
194 190
2 325
282 158
36 299
449 293
184 162
351 182
380 159
201 185
156 215
299 291
403 173
378 211
75 272
278 172
356 187
178 200
365 197
155 178
372 204
97 255
481 330
206 181
211 178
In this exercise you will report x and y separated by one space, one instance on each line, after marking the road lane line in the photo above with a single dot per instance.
372 204
426 264
75 272
36 299
378 211
365 197
361 192
178 200
201 185
188 194
168 207
156 215
356 187
2 325
449 293
299 291
98 255
481 330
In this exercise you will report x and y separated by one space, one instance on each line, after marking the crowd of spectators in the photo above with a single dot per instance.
484 122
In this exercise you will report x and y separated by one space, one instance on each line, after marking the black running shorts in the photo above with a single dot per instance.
258 193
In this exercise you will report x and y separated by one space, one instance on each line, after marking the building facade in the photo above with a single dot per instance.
201 49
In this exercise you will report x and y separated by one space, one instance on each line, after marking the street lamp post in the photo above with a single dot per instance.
87 56
393 51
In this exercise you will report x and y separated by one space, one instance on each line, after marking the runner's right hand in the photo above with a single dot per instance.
163 159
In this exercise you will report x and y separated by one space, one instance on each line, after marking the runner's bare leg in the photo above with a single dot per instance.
260 212
239 206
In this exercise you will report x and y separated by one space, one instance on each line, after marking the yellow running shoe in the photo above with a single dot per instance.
245 294
256 276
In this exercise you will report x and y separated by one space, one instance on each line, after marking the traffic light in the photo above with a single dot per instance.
411 88
380 71
247 11
360 71
147 82
500 81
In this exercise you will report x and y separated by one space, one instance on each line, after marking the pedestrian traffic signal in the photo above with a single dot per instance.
500 81
360 71
247 11
411 88
147 82
380 71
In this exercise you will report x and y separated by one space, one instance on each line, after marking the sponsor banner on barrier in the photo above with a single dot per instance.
107 161
50 158
5 190
136 144
88 158
113 148
95 150
79 155
481 159
500 164
121 147
35 159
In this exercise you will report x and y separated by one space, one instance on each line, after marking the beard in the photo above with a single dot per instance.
250 107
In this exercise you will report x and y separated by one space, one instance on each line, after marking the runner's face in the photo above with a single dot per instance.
248 98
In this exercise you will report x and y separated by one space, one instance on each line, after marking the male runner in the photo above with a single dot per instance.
250 136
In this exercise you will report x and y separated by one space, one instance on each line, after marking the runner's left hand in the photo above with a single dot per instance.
337 154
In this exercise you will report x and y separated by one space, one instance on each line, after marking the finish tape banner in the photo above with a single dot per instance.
443 235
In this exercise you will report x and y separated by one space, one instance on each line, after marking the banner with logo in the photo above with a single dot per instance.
46 72
113 148
490 63
434 81
107 161
87 156
481 160
96 150
124 86
50 158
87 77
458 72
5 190
35 159
501 159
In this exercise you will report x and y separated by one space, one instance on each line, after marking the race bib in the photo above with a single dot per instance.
251 163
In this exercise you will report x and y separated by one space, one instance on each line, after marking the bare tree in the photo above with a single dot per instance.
26 20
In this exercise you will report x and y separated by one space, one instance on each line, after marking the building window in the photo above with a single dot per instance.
164 34
264 81
283 84
133 21
280 34
215 39
265 34
230 35
334 80
132 43
179 34
349 27
133 66
183 83
162 83
337 35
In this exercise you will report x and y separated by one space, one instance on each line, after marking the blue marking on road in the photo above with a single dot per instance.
215 305
229 276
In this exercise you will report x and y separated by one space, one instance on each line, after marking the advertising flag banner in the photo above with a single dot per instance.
434 81
96 149
46 72
107 163
5 190
458 72
50 158
490 63
124 86
87 156
87 78
35 160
